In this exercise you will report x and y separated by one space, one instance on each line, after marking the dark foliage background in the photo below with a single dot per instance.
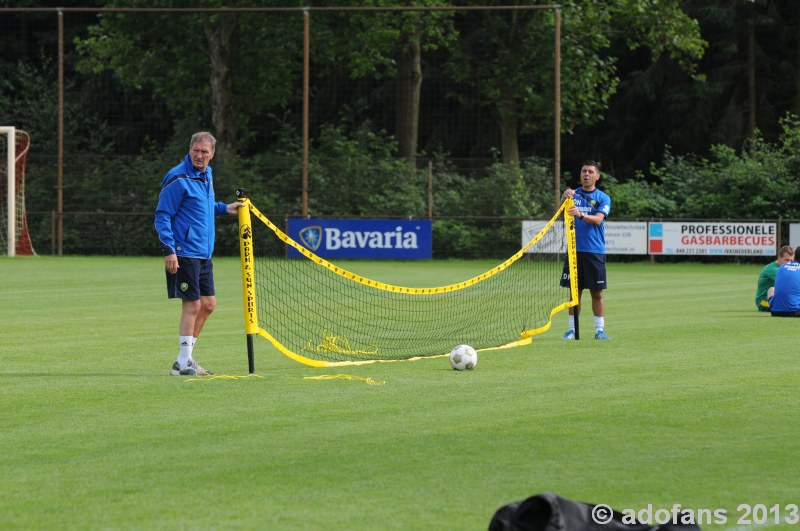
702 128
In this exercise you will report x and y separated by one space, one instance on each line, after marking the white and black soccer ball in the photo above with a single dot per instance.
463 358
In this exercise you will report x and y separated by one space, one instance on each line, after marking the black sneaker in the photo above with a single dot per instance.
177 371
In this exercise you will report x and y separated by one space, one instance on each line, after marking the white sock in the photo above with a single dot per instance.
191 353
571 322
599 323
185 353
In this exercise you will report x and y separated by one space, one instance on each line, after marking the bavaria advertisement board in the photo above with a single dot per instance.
363 238
713 238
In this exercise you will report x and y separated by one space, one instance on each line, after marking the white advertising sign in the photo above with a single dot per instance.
530 228
794 234
622 237
713 238
626 237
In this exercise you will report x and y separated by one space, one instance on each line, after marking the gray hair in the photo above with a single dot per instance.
203 135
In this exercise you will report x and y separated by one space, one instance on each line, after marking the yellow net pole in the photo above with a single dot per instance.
248 277
569 224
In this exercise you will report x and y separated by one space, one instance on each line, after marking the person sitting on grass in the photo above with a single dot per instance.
766 278
784 298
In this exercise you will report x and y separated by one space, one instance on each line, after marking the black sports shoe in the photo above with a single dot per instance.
177 371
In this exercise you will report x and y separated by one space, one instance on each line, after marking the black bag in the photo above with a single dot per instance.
550 512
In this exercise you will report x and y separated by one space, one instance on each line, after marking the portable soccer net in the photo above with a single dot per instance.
323 315
14 236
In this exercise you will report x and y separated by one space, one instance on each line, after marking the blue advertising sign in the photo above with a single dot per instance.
363 238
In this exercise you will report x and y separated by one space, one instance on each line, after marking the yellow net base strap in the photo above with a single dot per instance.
221 377
369 381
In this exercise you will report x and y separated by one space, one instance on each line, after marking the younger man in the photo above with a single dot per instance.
590 209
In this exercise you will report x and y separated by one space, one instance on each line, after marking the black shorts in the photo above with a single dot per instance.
591 272
194 279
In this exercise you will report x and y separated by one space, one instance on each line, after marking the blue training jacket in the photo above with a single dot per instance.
186 210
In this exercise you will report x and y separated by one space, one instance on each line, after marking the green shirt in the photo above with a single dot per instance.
766 280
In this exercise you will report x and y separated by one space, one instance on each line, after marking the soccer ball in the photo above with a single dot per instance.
463 358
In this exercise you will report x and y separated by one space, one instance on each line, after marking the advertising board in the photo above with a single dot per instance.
363 238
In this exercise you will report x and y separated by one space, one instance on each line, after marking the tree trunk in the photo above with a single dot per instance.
751 74
797 70
219 35
509 131
409 87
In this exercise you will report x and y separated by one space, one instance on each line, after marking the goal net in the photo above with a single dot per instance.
324 315
14 236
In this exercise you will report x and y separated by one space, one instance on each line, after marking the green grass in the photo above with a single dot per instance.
694 402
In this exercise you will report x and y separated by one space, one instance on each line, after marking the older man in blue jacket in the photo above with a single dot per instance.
185 225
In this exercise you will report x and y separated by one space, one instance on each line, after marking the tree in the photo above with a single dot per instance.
508 57
202 66
219 30
748 75
380 45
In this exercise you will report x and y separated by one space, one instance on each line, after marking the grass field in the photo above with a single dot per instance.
694 402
